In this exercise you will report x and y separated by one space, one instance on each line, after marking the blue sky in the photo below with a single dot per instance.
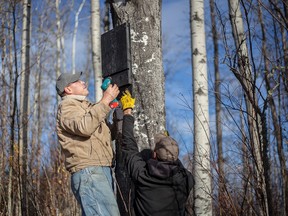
177 57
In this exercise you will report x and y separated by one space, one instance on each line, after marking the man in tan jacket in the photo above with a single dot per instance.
85 139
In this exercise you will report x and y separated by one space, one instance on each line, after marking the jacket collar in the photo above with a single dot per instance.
76 97
162 169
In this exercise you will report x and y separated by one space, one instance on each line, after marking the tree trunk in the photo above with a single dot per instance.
24 106
12 192
96 47
220 161
246 204
144 18
4 105
276 124
201 162
255 121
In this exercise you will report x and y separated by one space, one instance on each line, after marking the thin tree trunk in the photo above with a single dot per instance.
277 126
4 105
96 47
24 106
201 163
220 161
255 122
13 192
246 206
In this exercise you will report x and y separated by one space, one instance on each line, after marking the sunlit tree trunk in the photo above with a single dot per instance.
147 69
24 106
201 162
96 47
148 81
255 122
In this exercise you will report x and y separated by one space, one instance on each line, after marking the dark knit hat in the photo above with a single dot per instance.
64 80
166 147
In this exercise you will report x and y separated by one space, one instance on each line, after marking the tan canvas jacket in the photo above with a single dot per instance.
83 133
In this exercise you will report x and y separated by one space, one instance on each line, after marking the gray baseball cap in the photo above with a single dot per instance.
166 147
64 80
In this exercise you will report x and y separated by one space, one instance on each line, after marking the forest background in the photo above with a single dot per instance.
248 132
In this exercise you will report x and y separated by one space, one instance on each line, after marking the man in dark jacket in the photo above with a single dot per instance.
162 184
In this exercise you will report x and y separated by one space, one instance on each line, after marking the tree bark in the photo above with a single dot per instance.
201 162
254 115
144 18
276 124
220 161
24 106
96 47
12 192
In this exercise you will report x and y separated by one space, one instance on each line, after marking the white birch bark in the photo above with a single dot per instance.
201 162
96 47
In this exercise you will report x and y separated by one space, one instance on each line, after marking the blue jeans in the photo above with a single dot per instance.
93 190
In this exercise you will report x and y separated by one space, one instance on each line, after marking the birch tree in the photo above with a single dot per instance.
96 47
201 161
24 106
256 118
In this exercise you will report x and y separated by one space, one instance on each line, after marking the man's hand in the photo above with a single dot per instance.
110 94
127 101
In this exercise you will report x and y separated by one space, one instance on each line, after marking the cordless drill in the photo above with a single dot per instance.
107 81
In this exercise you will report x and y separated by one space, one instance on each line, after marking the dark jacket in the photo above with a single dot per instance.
161 188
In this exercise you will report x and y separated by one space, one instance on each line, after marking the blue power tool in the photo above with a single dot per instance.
107 81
